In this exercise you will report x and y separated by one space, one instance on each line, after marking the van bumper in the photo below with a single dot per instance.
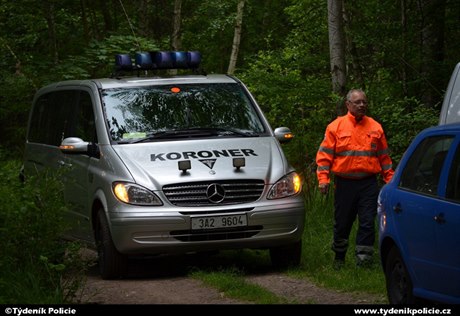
168 230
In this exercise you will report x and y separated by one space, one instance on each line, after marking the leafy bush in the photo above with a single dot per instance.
402 120
33 264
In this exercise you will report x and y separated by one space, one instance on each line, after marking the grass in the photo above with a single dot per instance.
318 256
231 283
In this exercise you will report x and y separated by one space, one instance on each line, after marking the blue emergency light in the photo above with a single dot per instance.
158 60
143 61
123 62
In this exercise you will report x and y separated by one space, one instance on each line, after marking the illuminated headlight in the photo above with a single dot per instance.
287 186
134 194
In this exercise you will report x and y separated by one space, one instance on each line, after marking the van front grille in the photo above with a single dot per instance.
212 193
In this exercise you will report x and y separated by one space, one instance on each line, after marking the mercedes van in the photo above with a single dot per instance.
156 164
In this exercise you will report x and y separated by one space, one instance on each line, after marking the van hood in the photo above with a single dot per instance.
156 164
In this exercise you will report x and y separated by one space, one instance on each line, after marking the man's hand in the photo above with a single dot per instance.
323 188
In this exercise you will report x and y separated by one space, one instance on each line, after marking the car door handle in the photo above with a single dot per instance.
439 218
397 208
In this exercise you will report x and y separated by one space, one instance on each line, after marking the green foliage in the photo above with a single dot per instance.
33 263
402 121
98 59
208 26
17 91
290 98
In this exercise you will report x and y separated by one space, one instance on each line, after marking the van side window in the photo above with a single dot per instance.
50 117
453 183
38 120
81 119
423 171
61 114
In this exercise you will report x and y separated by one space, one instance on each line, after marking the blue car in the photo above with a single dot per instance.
419 220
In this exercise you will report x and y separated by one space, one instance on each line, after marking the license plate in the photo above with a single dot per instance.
224 221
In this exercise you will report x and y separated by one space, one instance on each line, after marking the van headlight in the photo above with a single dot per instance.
286 186
135 194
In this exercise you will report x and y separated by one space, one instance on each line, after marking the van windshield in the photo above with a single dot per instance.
154 112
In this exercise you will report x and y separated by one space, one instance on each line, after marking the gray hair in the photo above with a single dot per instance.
353 91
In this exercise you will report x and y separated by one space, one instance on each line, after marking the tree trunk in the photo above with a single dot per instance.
84 21
432 13
108 27
144 29
337 46
404 33
49 16
175 38
236 38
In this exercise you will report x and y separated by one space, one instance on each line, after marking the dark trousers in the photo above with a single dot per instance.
355 198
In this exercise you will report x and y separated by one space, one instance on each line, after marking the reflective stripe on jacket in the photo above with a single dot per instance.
353 150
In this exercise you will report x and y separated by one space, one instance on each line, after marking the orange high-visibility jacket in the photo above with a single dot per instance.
354 150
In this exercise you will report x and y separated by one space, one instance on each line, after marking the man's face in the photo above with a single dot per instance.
357 105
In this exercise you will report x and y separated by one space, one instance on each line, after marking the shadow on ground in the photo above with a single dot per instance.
246 261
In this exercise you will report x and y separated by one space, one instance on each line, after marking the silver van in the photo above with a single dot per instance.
158 164
450 112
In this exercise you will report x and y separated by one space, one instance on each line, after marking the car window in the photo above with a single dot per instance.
423 169
453 183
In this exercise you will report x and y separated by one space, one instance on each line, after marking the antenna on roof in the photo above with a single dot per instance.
130 25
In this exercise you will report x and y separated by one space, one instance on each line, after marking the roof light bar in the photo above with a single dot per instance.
163 60
193 59
123 62
158 60
180 59
143 61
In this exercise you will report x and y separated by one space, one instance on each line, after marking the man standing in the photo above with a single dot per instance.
355 150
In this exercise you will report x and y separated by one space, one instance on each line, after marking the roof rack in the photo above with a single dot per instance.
158 60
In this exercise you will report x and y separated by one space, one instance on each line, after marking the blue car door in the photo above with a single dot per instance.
447 226
415 204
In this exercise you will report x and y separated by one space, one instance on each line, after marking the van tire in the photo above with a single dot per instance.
286 256
398 281
112 264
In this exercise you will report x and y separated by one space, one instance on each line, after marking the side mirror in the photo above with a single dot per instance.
74 145
283 134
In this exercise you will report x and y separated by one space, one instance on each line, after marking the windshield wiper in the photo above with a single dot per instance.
193 132
229 131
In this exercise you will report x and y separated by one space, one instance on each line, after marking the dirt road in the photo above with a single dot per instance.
166 281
